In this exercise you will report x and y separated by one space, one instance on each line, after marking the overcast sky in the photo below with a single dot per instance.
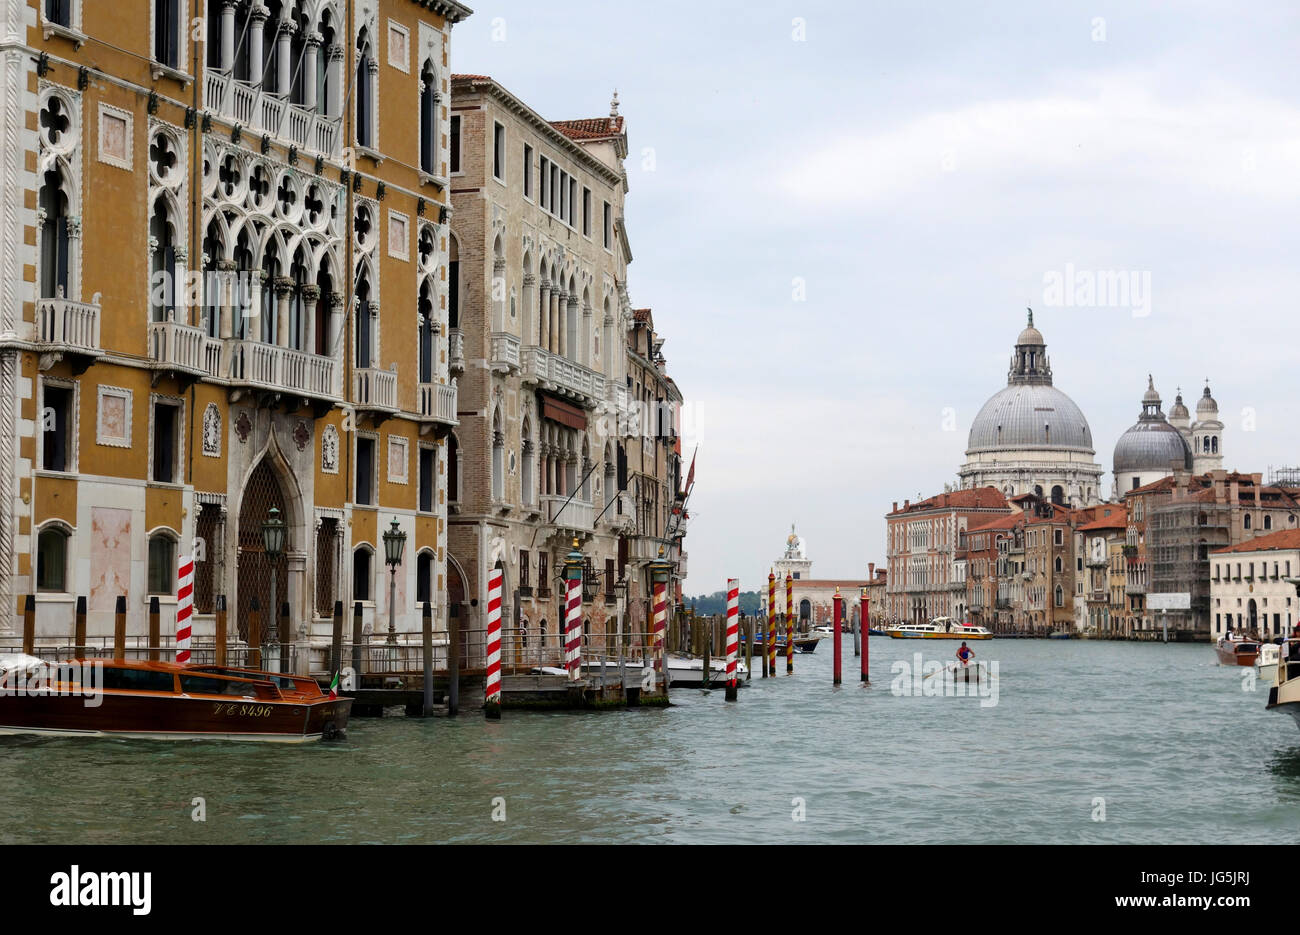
839 214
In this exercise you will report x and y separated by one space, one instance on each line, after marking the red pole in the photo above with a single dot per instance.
839 624
864 626
771 623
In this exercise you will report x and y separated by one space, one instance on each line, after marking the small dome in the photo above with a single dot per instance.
1151 446
1179 412
1206 403
1031 335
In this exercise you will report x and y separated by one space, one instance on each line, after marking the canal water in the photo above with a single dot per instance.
1083 742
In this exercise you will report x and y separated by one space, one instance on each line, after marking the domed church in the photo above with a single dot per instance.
1030 437
1152 448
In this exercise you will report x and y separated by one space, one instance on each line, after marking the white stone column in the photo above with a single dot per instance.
256 26
310 65
543 314
283 57
334 81
228 35
283 286
310 297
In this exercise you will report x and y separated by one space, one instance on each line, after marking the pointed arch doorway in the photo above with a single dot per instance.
261 492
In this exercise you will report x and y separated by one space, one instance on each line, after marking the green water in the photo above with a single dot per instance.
1167 738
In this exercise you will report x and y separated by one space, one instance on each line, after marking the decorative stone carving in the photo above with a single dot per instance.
212 431
329 450
301 435
243 426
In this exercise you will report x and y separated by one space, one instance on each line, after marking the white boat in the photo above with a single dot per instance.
1284 695
688 671
1267 662
940 628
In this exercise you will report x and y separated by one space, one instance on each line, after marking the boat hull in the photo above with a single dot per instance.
174 717
1236 654
905 635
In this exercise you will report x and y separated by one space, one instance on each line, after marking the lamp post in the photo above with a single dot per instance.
274 533
659 572
394 542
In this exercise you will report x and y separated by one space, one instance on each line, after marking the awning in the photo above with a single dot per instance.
563 413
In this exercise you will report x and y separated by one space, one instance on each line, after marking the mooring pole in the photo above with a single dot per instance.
749 648
864 625
356 642
119 628
336 639
733 636
771 623
839 628
254 634
155 628
79 629
426 647
789 624
492 672
220 636
29 623
453 664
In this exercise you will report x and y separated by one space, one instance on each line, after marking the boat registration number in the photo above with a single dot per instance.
234 709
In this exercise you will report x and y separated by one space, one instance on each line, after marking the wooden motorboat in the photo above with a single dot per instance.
940 628
1237 652
166 701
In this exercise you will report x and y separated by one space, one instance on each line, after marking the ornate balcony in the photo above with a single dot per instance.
645 548
562 376
505 352
565 514
375 390
271 368
438 407
184 349
621 514
456 349
68 329
270 113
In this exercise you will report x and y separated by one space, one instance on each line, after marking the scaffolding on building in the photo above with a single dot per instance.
1181 534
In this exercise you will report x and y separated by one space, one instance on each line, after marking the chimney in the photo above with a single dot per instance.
871 571
906 504
895 510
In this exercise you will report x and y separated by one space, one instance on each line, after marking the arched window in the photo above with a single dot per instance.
364 90
52 559
527 452
270 314
162 564
54 236
1214 444
361 574
426 325
428 119
498 458
1268 521
1245 521
453 283
1058 495
424 578
1038 490
162 294
243 257
1060 596
365 322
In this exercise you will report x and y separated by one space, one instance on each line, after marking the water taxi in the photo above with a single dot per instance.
1285 695
1237 652
1269 654
164 701
940 628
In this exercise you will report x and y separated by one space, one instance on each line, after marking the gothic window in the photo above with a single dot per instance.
365 322
54 235
498 458
214 252
270 273
453 283
162 234
298 272
52 559
364 90
428 119
527 453
242 303
426 332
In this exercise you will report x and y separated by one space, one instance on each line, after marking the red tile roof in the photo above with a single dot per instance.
969 498
590 128
1002 522
1117 520
1285 539
471 77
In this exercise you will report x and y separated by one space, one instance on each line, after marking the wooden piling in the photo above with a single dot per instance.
762 643
254 634
426 625
79 629
706 638
839 629
286 637
119 629
857 637
155 628
29 623
336 639
453 672
221 634
356 642
749 648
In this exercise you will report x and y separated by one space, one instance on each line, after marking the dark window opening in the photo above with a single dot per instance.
365 471
426 480
455 143
165 417
361 575
56 436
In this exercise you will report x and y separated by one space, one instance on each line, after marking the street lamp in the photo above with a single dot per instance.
274 533
394 542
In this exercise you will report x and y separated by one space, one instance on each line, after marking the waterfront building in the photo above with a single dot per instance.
1099 550
215 250
877 585
984 550
568 423
1249 590
922 540
814 598
1030 437
1176 522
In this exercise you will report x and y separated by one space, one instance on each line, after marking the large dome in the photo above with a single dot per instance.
1151 446
1030 415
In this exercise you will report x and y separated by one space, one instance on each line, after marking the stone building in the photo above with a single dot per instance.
814 598
214 246
1030 437
1099 545
568 422
922 541
1249 586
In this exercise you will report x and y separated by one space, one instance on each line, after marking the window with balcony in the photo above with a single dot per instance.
56 428
164 442
52 559
428 119
162 564
525 579
55 242
366 471
162 281
365 89
426 326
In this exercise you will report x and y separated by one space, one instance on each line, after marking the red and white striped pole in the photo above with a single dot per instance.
492 707
184 608
659 604
573 612
733 635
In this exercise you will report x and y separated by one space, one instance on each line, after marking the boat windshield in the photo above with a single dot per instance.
140 680
203 685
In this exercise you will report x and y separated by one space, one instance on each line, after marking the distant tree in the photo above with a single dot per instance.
716 603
